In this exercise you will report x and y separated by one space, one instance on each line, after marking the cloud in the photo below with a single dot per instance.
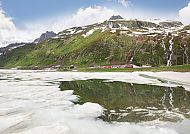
7 28
184 14
83 16
125 3
91 15
10 33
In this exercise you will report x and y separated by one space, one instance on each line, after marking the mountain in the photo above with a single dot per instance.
13 56
11 47
45 36
112 42
116 17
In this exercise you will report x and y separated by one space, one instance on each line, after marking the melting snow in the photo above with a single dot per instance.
113 31
32 103
103 29
188 31
88 33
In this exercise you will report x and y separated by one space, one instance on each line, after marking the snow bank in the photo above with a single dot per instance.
88 110
173 78
51 129
183 79
32 103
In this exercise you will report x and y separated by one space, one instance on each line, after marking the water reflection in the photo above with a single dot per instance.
125 102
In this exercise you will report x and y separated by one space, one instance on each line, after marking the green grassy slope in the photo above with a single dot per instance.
100 48
10 59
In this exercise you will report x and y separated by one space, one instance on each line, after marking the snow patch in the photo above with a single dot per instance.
188 31
88 33
113 31
79 31
124 28
88 110
152 35
18 46
140 33
103 29
50 129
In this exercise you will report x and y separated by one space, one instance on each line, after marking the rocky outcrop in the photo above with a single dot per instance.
45 36
116 17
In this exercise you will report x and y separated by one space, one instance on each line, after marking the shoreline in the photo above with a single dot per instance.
182 68
178 68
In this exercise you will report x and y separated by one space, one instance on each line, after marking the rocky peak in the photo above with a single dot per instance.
116 17
45 36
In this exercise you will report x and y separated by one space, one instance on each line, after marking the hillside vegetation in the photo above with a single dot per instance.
103 47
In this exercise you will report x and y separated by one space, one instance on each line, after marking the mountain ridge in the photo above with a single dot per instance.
117 41
45 36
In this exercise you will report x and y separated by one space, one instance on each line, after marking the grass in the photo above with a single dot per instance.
182 68
98 49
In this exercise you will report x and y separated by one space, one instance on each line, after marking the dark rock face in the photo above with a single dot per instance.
45 36
116 17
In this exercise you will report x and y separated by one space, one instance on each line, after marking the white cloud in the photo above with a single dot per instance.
83 16
184 14
10 33
7 28
90 15
125 3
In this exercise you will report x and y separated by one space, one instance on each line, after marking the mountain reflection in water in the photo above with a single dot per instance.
126 102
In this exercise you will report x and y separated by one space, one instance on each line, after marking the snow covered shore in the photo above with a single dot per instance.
32 103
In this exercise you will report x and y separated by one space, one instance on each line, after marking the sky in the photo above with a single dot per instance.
25 20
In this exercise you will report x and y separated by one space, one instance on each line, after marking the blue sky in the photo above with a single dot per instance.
36 9
26 10
25 20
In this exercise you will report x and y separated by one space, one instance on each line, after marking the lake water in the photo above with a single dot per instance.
38 102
